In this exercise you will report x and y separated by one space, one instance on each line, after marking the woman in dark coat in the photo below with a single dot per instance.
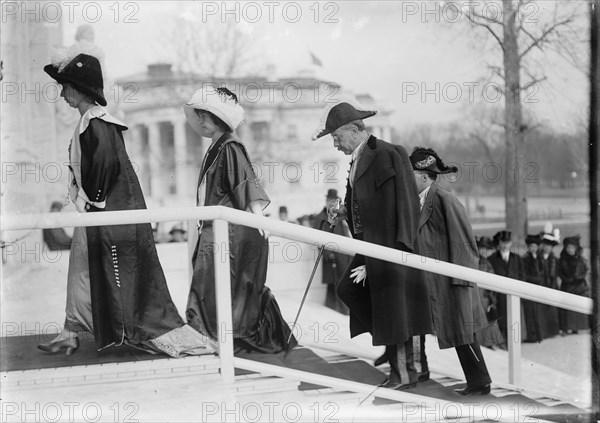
490 336
509 264
572 270
533 274
116 287
549 278
227 179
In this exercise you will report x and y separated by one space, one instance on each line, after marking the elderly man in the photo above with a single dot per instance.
445 234
382 207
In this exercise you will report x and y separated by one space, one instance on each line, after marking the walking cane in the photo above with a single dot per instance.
312 275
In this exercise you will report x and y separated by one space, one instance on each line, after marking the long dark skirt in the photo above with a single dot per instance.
257 321
571 320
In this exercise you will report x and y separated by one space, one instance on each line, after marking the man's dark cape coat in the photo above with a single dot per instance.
393 304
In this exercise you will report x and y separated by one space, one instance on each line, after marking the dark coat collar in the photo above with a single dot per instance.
366 157
428 205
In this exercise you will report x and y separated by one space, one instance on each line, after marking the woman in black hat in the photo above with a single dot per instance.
572 270
506 263
533 274
227 179
116 286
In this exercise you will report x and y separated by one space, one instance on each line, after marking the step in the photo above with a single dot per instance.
110 372
255 384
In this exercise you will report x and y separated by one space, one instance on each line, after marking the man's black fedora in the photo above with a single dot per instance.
340 115
83 72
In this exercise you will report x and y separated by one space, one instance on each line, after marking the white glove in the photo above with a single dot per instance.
80 204
359 274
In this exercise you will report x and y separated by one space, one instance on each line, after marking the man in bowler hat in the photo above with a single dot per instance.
334 264
445 234
381 206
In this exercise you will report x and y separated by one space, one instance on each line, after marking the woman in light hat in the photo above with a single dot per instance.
549 276
572 270
116 287
227 179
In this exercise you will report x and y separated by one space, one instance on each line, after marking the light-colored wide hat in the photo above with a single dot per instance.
220 102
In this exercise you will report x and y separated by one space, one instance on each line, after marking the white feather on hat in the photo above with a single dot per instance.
62 56
344 99
224 106
550 233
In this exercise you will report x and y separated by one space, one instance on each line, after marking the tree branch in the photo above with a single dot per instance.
489 28
542 38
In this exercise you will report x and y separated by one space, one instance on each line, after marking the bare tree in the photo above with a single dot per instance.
211 48
518 32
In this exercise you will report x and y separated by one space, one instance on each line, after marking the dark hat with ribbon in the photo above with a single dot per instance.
332 193
502 236
84 73
427 160
533 239
340 115
283 209
572 240
484 242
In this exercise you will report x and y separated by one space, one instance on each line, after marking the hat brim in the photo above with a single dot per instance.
194 120
360 115
436 170
96 93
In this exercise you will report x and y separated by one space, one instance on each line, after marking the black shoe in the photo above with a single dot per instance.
381 360
423 376
398 386
474 390
70 345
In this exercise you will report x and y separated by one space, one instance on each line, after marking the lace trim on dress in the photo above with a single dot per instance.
183 341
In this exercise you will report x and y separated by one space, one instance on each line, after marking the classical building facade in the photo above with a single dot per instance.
281 117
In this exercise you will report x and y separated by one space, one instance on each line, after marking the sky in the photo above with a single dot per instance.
429 67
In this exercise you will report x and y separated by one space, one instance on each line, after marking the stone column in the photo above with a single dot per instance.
386 133
156 185
181 160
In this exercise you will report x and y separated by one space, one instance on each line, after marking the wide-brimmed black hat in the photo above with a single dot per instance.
533 239
502 236
427 160
83 72
484 242
572 240
342 114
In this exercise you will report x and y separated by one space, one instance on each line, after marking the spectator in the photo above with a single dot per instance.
334 264
549 277
573 269
178 233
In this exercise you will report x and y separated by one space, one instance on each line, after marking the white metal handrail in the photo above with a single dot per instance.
338 243
222 215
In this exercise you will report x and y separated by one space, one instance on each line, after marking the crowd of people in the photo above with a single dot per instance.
540 266
116 288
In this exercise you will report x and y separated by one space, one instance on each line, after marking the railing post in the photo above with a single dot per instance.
192 231
514 342
223 294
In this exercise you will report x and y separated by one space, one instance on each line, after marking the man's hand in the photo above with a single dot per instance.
335 212
359 274
80 204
